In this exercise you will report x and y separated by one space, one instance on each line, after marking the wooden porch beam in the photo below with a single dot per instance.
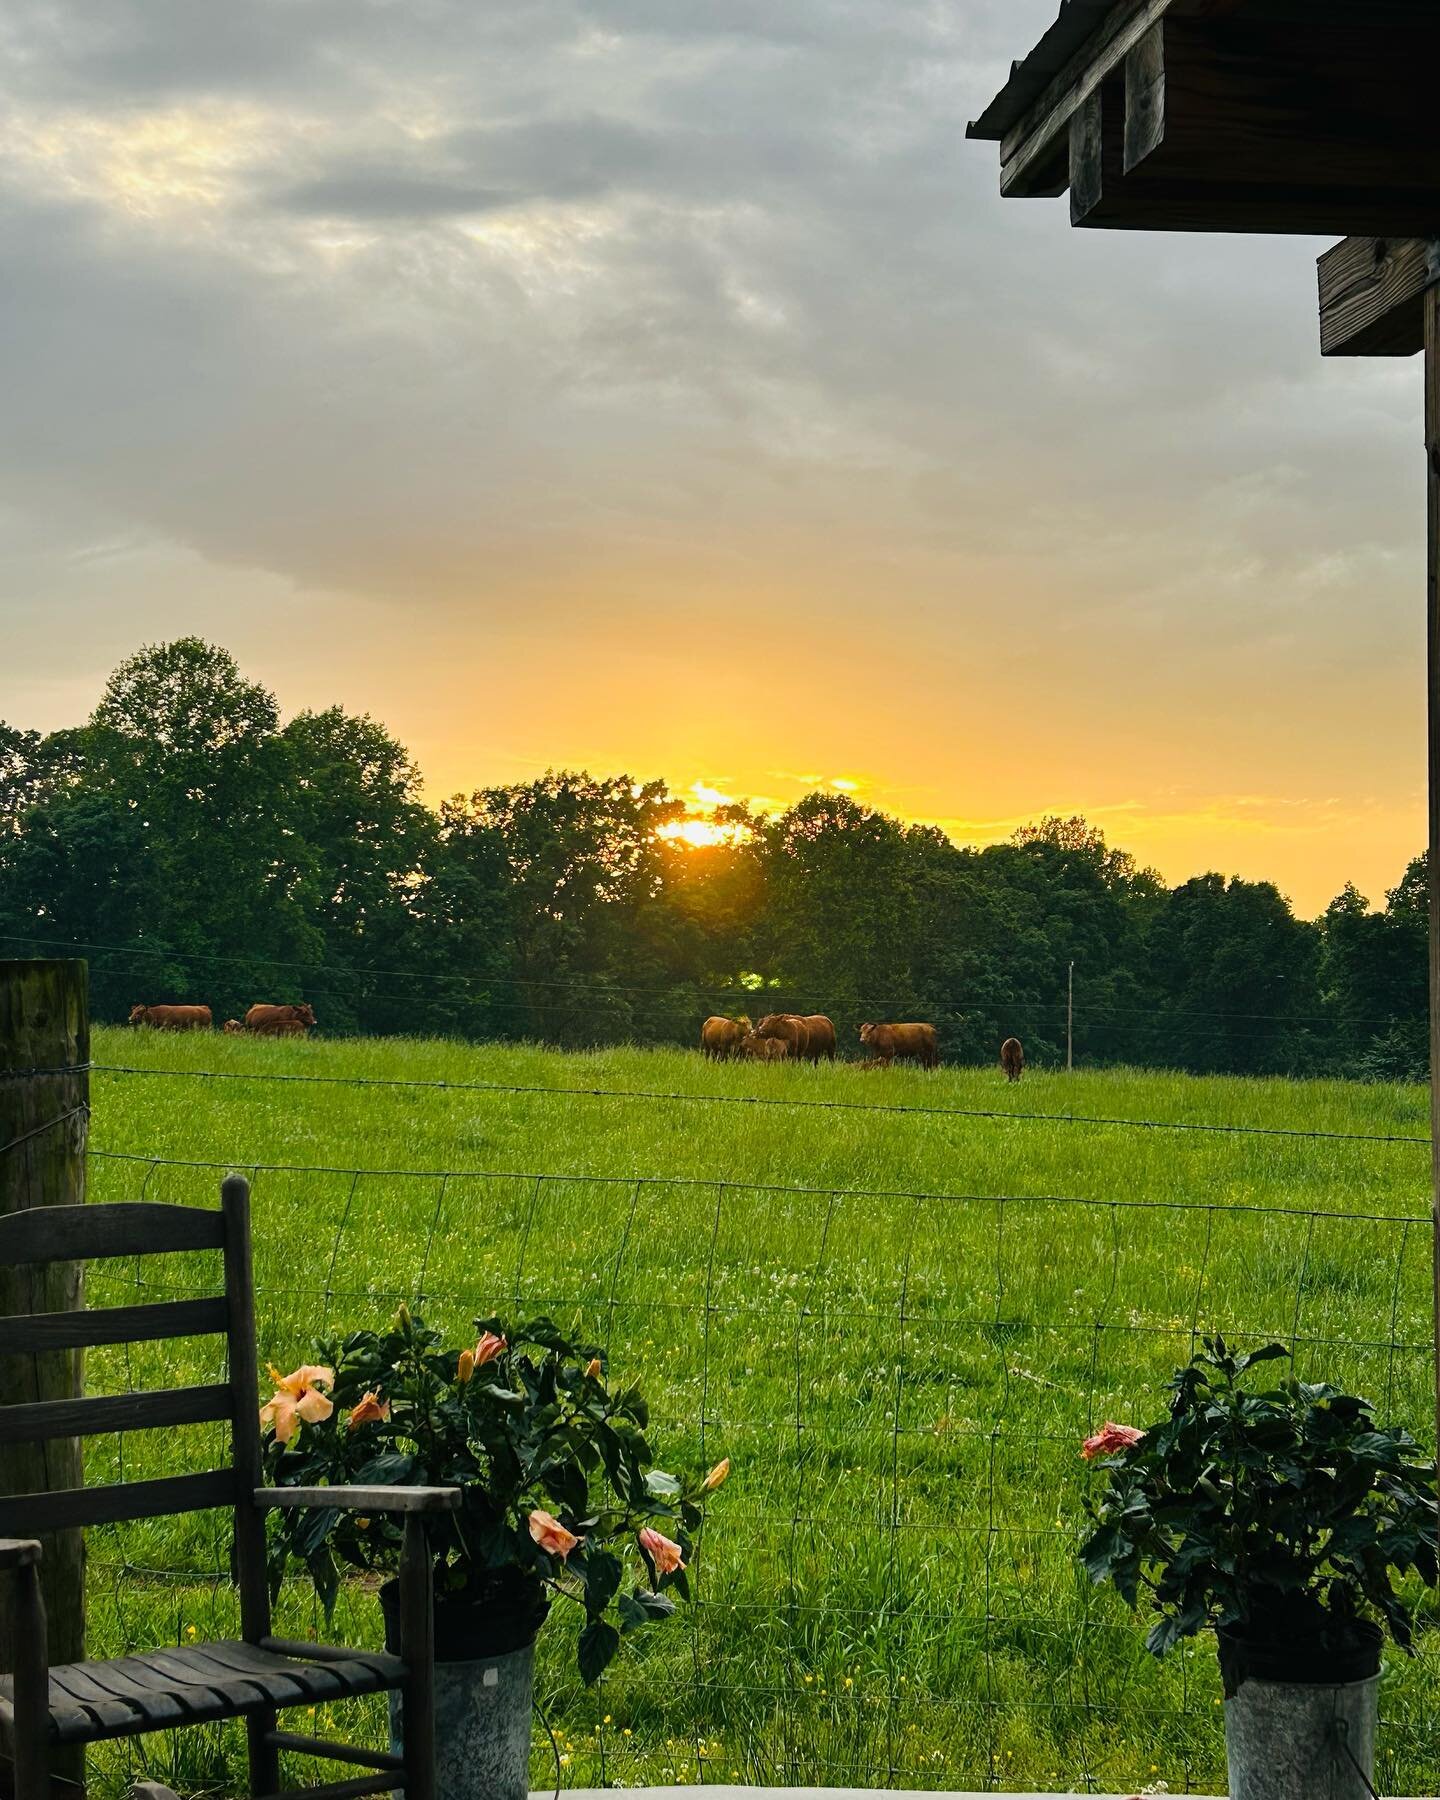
1372 295
1033 156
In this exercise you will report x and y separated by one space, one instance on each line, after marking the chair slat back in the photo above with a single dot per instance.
79 1233
114 1325
26 1515
43 1234
35 1420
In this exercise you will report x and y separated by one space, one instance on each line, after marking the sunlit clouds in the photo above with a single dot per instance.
665 388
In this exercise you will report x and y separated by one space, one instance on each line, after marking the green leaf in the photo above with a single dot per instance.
661 1485
642 1608
602 1581
392 1468
598 1643
312 1530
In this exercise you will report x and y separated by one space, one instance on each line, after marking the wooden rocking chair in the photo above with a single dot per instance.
253 1677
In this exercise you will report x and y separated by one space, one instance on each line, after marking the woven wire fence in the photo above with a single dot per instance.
886 1592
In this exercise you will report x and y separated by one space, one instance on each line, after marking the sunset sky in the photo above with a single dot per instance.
663 386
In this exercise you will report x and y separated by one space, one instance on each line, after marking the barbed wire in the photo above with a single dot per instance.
26 1137
661 1095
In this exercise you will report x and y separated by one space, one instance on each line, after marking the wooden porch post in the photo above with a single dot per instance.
44 1111
1432 614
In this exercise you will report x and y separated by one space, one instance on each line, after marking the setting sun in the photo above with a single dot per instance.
703 834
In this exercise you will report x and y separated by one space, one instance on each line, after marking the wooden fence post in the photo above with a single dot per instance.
44 1113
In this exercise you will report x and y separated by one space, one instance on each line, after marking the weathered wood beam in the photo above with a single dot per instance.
1033 154
1228 122
1372 295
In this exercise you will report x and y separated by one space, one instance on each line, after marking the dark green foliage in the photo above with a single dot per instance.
535 1427
208 853
1280 1512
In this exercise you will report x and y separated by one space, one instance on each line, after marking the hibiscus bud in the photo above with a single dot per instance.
488 1348
370 1409
716 1476
402 1318
466 1367
665 1555
551 1535
592 1369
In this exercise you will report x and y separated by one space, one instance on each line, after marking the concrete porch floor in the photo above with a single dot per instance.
719 1791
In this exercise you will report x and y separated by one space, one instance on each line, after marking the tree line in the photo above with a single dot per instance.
201 849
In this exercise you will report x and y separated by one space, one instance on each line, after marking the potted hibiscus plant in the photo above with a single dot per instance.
1276 1515
561 1503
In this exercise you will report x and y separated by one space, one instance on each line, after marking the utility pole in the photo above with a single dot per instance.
44 1115
1070 1022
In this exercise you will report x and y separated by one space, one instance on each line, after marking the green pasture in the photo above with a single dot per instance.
898 1324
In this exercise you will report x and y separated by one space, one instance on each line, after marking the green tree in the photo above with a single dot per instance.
362 839
1237 978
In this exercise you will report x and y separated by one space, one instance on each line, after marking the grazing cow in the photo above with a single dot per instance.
279 1021
721 1038
901 1043
1012 1059
233 1028
754 1048
172 1018
808 1038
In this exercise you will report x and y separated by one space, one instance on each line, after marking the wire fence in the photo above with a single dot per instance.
886 1593
1112 1021
790 1102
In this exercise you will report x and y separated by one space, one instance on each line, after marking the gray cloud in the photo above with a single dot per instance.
410 299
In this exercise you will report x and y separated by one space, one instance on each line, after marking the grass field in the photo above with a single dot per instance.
898 1325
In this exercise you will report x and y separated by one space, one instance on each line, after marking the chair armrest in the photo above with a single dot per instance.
19 1553
364 1499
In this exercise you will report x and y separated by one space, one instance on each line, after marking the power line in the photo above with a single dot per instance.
761 1100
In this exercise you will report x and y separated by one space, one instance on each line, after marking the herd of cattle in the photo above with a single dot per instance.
810 1037
260 1021
779 1037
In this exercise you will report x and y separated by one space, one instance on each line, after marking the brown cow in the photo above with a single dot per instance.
808 1038
754 1048
788 1029
822 1037
279 1021
172 1018
233 1028
721 1038
902 1043
1012 1059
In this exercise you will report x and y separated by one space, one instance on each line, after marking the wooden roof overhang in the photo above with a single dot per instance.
1310 116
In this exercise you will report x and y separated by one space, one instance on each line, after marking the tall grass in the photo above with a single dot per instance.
898 1327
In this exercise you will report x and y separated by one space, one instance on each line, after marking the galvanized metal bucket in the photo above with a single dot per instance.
1290 1740
484 1692
482 1726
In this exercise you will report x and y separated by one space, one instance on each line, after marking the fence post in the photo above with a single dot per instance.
44 1112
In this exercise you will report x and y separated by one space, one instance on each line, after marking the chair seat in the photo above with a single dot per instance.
160 1689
